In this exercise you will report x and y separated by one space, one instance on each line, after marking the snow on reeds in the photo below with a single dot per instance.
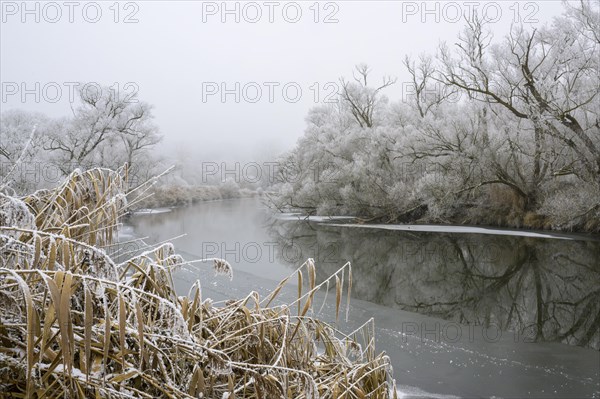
74 323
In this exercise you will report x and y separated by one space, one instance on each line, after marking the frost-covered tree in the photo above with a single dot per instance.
24 164
495 132
104 119
545 81
364 101
106 130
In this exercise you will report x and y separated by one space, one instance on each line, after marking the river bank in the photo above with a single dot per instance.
177 196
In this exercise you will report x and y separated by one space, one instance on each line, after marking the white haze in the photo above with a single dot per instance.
171 52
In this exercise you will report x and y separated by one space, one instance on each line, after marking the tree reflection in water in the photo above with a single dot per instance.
546 289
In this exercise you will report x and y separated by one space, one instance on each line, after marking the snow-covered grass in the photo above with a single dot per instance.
75 323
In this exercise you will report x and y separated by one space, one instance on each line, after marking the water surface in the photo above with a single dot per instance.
460 312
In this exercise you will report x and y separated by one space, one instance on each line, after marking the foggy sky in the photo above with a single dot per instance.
178 48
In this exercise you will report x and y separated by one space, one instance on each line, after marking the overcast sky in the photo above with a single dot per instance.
179 55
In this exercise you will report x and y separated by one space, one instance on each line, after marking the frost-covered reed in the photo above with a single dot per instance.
75 323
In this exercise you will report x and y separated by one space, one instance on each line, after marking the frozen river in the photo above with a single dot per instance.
461 312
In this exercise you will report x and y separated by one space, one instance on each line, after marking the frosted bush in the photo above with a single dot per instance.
230 189
568 211
15 213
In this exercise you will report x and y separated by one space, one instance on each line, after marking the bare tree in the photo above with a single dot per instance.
136 144
428 92
102 117
361 99
22 155
547 77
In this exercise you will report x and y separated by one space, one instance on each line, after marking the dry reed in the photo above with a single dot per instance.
76 324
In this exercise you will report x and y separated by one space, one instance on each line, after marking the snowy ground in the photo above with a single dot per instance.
433 227
459 229
152 211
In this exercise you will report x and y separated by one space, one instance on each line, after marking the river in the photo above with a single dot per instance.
466 312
